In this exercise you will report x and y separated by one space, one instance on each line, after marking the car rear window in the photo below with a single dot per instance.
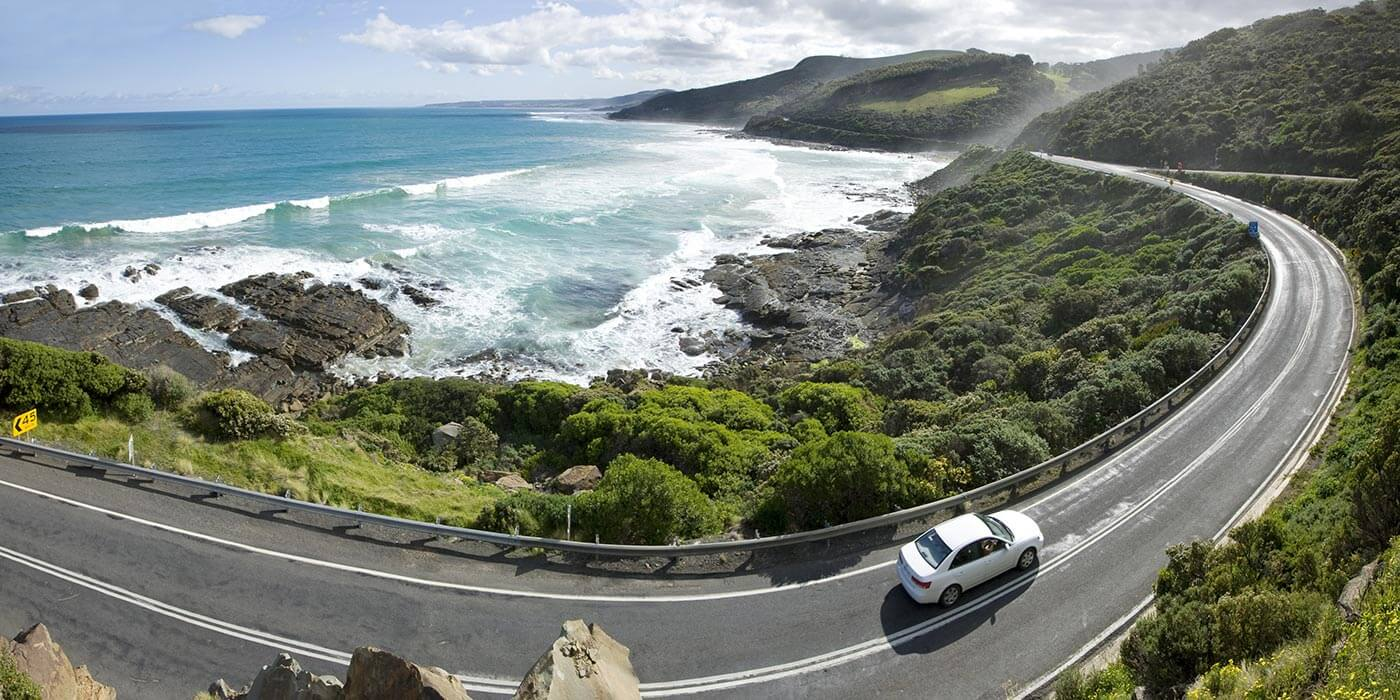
934 549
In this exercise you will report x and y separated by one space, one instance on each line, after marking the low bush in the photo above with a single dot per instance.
169 389
234 414
133 407
61 384
475 443
847 476
1112 682
839 407
644 501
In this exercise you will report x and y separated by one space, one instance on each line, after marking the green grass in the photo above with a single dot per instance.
934 99
1061 82
329 470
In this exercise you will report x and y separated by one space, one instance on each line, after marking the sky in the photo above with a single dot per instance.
76 56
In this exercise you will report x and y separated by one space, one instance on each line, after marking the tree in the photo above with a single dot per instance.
644 501
847 476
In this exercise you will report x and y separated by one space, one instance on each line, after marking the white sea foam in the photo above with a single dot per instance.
193 221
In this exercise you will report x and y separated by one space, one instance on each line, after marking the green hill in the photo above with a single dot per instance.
917 105
734 103
1310 92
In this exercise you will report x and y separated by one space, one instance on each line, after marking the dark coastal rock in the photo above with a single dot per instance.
312 325
321 322
419 297
131 274
808 302
692 346
201 311
126 334
19 296
882 220
89 292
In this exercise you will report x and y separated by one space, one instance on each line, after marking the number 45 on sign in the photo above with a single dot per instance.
24 423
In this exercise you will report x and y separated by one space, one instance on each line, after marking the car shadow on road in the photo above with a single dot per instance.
912 628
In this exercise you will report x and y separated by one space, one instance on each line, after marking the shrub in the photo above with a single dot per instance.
535 408
527 513
169 389
839 407
14 683
644 501
847 476
65 385
474 443
1110 683
723 461
234 414
1185 637
134 408
405 411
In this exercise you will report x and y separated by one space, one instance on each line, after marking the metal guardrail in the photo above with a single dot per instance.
1015 485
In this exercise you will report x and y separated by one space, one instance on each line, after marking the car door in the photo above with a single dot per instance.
963 569
995 559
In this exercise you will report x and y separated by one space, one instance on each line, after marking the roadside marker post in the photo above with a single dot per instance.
24 423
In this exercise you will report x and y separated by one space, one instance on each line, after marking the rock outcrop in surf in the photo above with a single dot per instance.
293 325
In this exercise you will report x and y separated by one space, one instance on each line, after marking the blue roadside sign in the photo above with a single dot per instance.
1254 229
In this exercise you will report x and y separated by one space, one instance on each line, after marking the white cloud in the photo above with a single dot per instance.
229 26
690 42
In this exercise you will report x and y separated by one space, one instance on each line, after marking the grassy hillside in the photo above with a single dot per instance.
1312 92
974 97
734 103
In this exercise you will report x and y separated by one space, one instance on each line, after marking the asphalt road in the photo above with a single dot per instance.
161 594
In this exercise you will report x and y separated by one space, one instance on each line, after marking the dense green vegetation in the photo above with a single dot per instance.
1049 303
65 385
1312 92
734 103
953 99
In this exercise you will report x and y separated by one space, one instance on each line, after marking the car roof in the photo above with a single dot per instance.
962 530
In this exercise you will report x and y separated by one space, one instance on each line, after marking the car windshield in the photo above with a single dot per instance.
997 527
934 549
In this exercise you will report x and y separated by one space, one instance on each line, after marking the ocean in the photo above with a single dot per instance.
550 239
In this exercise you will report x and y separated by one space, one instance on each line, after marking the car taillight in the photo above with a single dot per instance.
920 584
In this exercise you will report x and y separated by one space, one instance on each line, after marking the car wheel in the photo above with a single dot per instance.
1027 560
950 596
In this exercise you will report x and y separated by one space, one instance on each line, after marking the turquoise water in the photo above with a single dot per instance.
553 238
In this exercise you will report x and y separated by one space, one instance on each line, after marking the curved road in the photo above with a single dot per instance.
162 594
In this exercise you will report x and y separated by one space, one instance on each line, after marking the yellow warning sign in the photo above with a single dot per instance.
24 423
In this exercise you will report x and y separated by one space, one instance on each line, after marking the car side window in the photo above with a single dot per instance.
992 545
967 554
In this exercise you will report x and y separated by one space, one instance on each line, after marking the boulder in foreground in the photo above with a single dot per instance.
584 664
38 656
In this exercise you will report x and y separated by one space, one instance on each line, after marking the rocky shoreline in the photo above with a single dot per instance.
817 295
810 296
294 326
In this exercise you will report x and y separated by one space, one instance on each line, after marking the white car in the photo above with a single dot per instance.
957 554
